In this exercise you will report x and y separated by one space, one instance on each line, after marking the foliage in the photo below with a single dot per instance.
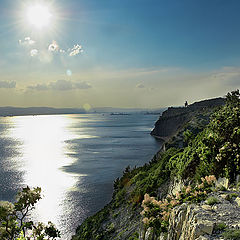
232 234
156 213
220 227
91 229
230 196
212 201
216 150
134 236
13 223
150 177
188 136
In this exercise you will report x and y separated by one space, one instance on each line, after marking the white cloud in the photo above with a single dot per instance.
6 84
60 85
75 50
26 41
53 47
33 52
45 54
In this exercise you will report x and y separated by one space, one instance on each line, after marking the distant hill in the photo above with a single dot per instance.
15 111
18 111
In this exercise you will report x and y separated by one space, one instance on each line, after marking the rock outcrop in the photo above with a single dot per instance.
203 221
175 118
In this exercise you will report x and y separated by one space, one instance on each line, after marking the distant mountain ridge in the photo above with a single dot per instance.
16 111
19 111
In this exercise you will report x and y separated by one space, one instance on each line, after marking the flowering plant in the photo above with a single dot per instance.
156 213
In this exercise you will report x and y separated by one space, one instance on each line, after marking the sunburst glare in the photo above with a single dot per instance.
39 16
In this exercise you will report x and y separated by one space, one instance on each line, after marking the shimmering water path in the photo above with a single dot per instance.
73 158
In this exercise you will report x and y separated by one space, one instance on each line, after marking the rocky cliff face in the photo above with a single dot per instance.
205 221
216 218
174 119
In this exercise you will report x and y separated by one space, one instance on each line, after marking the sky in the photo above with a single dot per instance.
109 53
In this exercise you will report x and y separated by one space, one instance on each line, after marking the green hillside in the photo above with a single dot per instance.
215 150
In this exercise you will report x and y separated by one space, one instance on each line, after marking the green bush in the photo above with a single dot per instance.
220 227
212 201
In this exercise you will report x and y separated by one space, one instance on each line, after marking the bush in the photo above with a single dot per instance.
212 201
220 227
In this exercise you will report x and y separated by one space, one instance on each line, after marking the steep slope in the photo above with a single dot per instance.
171 173
174 119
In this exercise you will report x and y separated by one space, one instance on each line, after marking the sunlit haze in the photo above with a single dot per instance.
134 54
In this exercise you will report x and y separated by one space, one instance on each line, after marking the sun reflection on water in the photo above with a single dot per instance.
44 151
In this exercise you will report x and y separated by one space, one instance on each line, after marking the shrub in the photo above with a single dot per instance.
156 213
212 201
220 227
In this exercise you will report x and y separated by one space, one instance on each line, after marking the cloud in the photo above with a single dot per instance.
75 50
46 53
60 85
38 87
227 76
6 84
53 47
140 85
33 52
26 41
82 85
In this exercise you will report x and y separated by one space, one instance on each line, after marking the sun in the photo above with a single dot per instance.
39 16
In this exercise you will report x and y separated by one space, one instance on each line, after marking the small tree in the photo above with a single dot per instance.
13 222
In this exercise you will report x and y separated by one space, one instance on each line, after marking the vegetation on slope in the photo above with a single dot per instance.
213 151
216 149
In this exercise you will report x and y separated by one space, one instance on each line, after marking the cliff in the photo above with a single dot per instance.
175 196
206 221
174 119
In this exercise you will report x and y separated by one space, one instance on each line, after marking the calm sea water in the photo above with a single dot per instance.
73 158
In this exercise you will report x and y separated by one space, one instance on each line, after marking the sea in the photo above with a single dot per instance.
73 158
